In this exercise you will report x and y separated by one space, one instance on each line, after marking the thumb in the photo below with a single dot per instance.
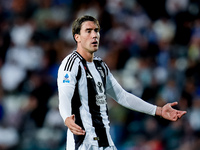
73 117
174 103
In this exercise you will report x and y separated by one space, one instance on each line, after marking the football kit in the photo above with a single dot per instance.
83 88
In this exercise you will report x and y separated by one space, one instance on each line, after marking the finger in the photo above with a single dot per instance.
73 117
76 128
78 132
174 118
181 113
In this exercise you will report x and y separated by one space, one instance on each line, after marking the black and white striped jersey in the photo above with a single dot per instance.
82 88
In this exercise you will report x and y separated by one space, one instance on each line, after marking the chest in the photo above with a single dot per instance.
94 76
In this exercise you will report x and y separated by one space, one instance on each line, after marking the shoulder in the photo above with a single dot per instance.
70 62
97 58
69 69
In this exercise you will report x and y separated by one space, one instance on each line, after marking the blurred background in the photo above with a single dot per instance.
151 47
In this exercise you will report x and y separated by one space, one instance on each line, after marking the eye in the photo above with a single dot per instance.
96 30
88 31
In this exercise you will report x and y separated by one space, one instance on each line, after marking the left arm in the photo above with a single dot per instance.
126 99
135 103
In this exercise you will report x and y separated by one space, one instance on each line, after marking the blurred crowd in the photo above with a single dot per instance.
151 47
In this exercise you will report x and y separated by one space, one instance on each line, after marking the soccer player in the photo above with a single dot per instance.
84 81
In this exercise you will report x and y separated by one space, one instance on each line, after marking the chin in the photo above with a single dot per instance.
95 49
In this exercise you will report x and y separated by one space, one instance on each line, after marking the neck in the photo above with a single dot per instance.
86 55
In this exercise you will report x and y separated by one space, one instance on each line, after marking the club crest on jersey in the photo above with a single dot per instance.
101 71
66 78
100 87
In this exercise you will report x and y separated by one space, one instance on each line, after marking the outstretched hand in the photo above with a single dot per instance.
170 113
73 127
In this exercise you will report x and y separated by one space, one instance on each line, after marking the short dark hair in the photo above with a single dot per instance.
76 26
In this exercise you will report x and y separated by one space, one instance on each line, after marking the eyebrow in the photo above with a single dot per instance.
89 29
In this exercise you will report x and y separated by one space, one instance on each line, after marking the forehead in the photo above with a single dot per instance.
88 25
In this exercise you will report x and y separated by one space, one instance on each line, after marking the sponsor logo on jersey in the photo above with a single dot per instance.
101 99
66 78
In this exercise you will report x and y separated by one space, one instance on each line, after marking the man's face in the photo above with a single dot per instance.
89 37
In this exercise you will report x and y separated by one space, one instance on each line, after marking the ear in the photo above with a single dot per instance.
77 38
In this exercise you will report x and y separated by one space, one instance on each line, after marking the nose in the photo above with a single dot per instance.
94 34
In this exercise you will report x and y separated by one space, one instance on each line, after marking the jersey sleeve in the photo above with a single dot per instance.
126 99
66 82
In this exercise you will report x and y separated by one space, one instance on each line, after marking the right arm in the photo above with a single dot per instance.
65 110
66 84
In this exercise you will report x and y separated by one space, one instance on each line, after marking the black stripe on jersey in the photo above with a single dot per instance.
81 58
106 67
94 109
68 61
103 64
69 68
76 104
71 59
103 74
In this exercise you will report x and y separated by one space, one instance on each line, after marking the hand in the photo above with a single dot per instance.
170 113
73 127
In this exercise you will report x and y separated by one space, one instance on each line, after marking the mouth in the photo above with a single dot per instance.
95 43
